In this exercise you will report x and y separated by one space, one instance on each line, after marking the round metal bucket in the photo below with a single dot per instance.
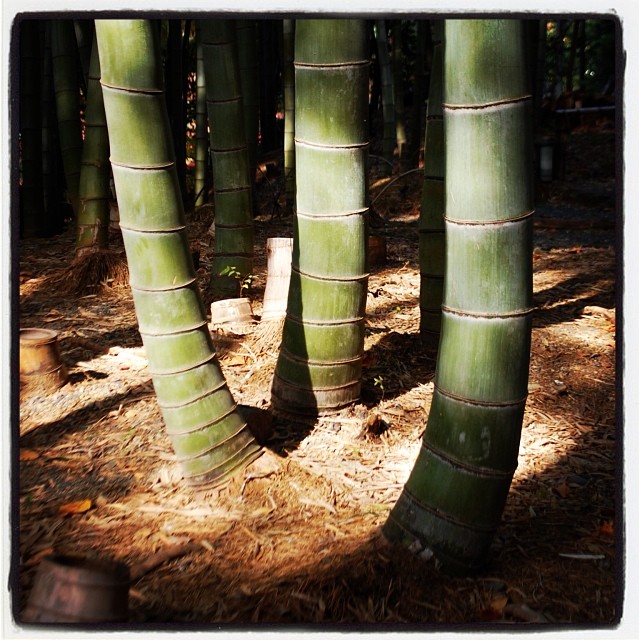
41 367
78 590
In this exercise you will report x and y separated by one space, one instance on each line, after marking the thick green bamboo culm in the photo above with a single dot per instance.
202 133
453 500
92 225
233 244
288 82
431 223
320 362
84 30
248 67
209 436
64 52
398 93
386 91
51 174
32 193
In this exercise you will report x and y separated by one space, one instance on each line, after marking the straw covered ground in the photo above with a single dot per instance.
295 540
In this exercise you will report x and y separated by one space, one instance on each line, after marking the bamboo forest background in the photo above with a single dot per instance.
219 136
572 64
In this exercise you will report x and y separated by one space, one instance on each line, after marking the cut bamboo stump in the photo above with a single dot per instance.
279 252
41 367
232 314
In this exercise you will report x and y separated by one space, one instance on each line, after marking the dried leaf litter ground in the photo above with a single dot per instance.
296 538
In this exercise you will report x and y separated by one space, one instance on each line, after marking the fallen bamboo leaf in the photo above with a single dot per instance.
80 506
28 454
582 556
319 503
207 545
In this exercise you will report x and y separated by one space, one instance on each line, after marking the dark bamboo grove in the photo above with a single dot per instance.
316 108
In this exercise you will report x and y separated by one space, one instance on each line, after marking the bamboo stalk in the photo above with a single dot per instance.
208 434
455 495
431 223
202 135
319 366
288 74
92 225
64 52
386 90
233 248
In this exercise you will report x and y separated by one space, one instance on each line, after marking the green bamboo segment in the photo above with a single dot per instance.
493 367
180 308
497 134
92 223
195 416
208 470
247 38
139 69
232 244
209 436
202 135
455 495
342 169
448 537
323 300
152 204
298 396
329 343
465 495
398 91
288 90
476 257
331 42
230 157
184 387
230 169
161 260
386 90
204 443
431 224
85 40
454 428
179 351
498 76
32 194
319 367
64 52
339 89
148 117
321 375
337 247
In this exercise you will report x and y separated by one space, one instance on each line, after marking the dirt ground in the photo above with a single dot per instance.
296 541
